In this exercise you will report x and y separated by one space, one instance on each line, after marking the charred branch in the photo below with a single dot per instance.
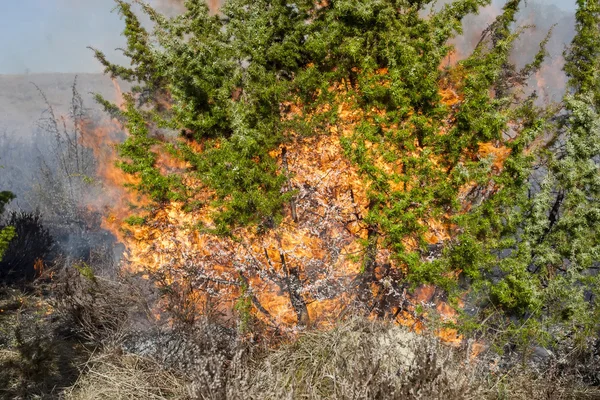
368 274
294 287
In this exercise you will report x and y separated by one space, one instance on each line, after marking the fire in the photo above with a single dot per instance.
118 94
38 266
316 247
304 271
214 6
116 202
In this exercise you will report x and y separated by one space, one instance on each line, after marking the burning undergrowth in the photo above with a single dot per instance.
296 273
306 271
309 268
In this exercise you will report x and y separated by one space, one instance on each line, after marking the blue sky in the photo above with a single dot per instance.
52 35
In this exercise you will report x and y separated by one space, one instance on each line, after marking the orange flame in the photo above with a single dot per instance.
321 248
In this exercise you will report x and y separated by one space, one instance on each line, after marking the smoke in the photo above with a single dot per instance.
22 142
550 81
174 7
47 160
169 7
539 18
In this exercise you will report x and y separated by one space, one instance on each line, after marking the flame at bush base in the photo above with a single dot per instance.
304 271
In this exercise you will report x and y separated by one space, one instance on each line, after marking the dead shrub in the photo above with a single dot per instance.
99 310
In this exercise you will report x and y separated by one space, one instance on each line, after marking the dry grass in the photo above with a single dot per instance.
99 310
364 360
526 383
36 361
115 377
358 359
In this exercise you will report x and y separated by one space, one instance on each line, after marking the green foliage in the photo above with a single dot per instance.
227 77
544 250
140 158
198 62
5 198
6 233
582 57
135 220
86 271
243 306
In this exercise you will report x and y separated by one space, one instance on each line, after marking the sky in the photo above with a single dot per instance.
52 35
38 36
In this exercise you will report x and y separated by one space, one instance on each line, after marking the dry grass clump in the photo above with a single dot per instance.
97 309
528 383
358 359
208 355
116 377
364 360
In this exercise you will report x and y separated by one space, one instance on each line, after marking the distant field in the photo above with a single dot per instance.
21 107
